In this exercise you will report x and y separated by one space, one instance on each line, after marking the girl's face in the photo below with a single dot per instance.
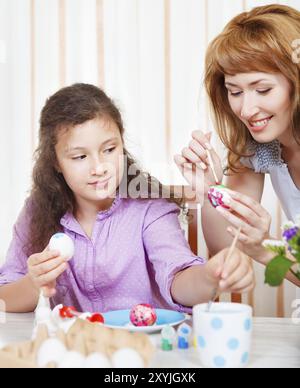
262 102
90 157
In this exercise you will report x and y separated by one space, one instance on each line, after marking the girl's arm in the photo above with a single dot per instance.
197 284
43 270
20 297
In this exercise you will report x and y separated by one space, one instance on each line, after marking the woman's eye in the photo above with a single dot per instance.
235 94
81 157
265 91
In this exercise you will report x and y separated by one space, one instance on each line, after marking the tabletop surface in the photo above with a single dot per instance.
276 343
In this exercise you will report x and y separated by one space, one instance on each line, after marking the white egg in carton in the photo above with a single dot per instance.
85 345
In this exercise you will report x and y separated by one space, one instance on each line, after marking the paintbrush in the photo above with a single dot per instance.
230 252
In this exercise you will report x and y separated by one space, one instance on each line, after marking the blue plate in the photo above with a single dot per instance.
120 320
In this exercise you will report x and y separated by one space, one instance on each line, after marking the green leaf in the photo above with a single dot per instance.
276 270
297 257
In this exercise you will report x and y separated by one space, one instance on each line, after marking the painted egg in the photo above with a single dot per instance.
64 244
143 315
219 196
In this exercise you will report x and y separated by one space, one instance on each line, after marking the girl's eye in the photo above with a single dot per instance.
109 150
82 157
265 91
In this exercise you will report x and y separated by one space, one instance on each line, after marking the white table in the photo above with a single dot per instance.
276 343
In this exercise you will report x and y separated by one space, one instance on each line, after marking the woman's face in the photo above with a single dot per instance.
90 157
262 102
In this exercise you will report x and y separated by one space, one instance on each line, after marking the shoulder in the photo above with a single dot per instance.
150 210
152 206
264 156
25 215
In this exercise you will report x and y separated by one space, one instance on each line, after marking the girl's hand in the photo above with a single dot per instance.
254 220
232 275
44 268
196 156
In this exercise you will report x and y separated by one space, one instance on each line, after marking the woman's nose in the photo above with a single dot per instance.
249 108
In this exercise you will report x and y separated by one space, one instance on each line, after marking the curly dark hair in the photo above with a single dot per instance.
51 198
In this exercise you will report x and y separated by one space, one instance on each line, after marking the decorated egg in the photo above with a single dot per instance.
127 358
219 196
97 360
64 244
52 350
143 315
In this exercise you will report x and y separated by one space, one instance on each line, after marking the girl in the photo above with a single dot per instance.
128 250
253 82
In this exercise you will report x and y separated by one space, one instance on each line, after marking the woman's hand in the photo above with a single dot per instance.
193 161
232 275
43 270
254 220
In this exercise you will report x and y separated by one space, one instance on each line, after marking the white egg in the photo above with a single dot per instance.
52 350
127 358
64 244
97 360
72 360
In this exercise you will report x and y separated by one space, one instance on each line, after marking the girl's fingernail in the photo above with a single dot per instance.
222 284
203 166
208 146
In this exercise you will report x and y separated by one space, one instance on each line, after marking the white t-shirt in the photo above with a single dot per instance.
267 160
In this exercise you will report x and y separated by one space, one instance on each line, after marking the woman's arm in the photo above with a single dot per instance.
214 225
269 256
245 209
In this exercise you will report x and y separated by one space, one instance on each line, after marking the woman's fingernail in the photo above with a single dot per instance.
227 201
208 146
203 166
220 209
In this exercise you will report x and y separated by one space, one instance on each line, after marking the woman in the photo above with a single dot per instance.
252 79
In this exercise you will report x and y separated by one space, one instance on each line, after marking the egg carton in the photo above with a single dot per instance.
83 337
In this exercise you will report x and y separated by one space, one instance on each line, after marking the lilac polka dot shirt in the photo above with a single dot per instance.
136 249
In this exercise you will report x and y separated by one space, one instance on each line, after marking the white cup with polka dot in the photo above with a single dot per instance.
223 334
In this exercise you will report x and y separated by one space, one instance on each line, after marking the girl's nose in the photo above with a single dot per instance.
99 168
